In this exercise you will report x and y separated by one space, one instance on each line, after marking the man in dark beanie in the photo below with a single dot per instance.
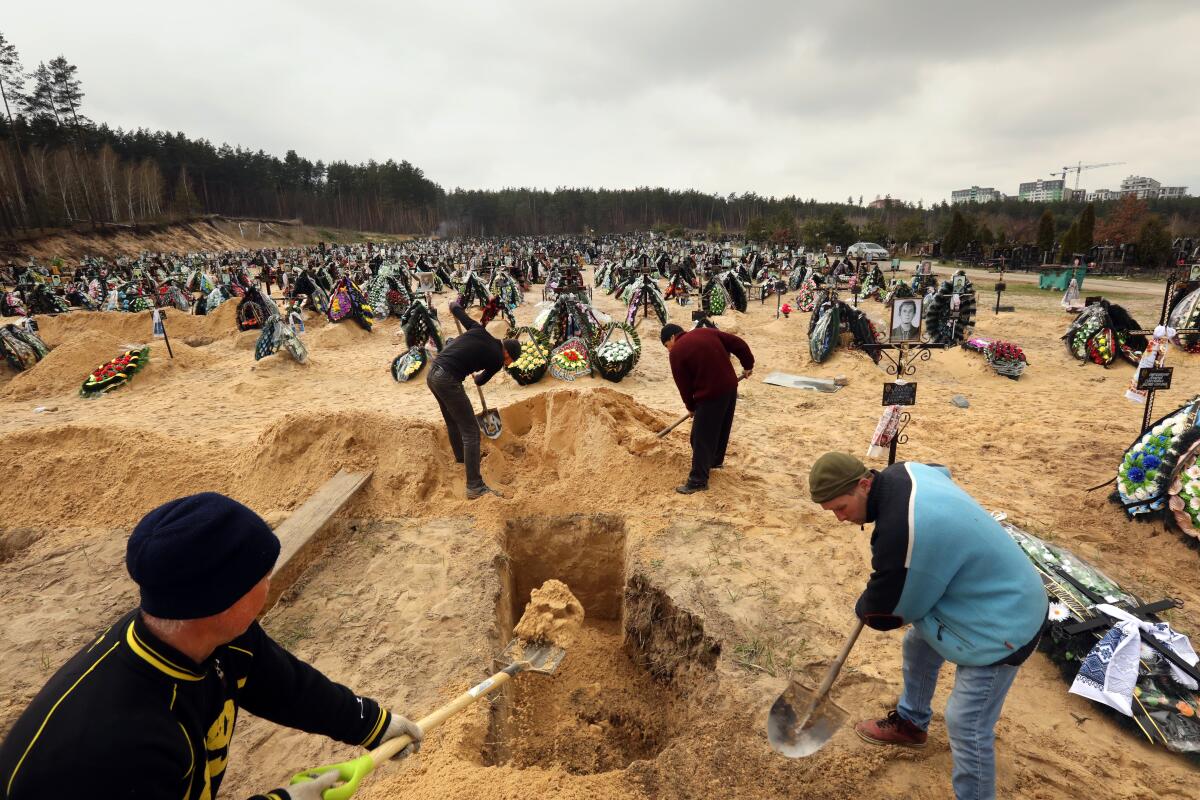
476 352
148 708
942 564
706 382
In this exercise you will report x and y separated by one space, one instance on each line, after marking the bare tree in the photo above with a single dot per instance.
12 92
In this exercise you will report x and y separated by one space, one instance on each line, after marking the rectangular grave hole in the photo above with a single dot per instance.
600 711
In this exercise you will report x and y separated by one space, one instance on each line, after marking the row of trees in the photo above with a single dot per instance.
57 167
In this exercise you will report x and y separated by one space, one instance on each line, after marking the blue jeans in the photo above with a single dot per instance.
971 713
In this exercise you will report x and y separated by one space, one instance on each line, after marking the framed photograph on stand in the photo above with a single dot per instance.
905 324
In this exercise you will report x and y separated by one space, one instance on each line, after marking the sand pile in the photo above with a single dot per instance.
553 615
66 366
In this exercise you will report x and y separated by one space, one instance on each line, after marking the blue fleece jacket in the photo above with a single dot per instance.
941 563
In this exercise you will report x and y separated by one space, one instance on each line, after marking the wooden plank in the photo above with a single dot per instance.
298 533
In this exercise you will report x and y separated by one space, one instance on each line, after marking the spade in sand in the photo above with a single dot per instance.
801 720
548 625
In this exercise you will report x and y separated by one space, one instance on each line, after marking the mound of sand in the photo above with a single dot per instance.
553 615
66 366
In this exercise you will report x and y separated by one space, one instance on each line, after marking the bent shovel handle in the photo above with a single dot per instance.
836 666
352 772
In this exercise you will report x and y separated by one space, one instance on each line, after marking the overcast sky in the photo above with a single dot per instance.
820 100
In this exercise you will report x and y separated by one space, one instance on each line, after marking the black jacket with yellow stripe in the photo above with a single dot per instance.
130 717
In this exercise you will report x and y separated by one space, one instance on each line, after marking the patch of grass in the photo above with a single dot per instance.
656 563
769 654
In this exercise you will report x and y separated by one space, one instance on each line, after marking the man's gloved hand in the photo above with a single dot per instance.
479 378
312 790
400 726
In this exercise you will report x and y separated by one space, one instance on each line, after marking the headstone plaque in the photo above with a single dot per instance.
900 393
1154 378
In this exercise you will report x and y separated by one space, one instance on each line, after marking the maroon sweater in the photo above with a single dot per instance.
700 364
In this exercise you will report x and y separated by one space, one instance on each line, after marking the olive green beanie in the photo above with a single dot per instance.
833 475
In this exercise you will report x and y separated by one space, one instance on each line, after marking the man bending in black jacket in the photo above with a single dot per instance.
147 709
475 352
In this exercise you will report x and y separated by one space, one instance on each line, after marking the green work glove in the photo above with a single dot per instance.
400 726
313 789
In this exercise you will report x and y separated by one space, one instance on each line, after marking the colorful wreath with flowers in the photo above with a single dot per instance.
1149 466
530 366
570 360
1101 332
116 372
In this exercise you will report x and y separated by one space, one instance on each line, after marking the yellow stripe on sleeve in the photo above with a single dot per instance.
50 713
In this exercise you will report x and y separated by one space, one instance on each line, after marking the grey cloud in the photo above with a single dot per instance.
814 99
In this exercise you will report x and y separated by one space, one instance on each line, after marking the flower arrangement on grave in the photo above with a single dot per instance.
1102 332
1006 359
614 357
570 360
1183 495
531 365
114 373
407 365
643 293
1149 466
568 317
735 288
21 347
420 326
713 298
950 313
348 300
1163 709
806 300
1185 314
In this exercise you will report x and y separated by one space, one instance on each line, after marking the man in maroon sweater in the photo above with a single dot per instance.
708 386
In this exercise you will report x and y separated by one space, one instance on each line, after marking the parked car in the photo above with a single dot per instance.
867 250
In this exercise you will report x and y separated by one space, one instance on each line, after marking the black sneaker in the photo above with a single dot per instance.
717 466
475 494
687 488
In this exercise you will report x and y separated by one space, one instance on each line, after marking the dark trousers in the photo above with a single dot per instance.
460 422
711 425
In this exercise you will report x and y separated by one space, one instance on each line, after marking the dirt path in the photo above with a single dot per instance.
726 592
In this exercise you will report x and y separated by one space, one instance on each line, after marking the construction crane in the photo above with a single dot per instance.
1080 167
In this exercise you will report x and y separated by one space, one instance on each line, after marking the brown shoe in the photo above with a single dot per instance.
892 729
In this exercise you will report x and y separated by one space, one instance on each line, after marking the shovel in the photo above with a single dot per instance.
519 657
489 418
801 720
686 416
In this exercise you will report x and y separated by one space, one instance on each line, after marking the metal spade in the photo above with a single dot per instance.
488 419
801 720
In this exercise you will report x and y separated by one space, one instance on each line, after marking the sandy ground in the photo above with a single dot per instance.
207 234
718 596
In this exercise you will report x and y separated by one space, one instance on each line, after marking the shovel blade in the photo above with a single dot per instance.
800 724
540 657
490 424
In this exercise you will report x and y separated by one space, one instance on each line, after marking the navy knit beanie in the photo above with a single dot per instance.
196 556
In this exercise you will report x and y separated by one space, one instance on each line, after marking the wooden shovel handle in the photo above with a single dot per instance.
836 666
673 425
427 723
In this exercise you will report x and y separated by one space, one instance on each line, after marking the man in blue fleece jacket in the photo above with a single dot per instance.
941 564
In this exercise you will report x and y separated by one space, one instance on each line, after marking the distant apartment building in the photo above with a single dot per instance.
886 202
975 194
1144 188
1041 191
1138 186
